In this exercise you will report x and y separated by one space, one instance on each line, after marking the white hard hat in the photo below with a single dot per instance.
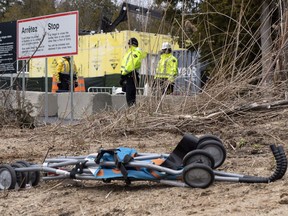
166 45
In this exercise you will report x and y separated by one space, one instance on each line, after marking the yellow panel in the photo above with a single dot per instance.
37 67
81 60
101 54
96 53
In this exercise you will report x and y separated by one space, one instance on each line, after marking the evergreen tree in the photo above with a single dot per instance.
17 9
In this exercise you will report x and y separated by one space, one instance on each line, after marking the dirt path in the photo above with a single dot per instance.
248 153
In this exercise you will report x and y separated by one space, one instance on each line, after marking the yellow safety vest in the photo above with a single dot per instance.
131 60
167 67
63 67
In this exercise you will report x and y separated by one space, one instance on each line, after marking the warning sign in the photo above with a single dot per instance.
8 47
52 35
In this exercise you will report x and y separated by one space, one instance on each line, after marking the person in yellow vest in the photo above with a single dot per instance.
167 70
62 74
130 66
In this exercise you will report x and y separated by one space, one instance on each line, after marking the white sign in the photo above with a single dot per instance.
51 35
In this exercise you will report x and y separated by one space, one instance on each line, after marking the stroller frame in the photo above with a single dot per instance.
192 163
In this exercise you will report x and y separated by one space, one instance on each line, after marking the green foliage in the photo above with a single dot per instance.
4 6
16 9
33 8
242 142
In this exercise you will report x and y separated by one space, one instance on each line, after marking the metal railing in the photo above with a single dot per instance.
111 90
100 89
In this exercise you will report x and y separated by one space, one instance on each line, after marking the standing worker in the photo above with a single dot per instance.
167 70
62 74
130 65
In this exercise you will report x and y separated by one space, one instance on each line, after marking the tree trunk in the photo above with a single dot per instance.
280 73
266 43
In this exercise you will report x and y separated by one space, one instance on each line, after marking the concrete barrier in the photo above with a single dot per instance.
84 104
37 100
34 102
118 102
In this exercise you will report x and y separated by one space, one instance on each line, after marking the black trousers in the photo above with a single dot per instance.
129 86
64 84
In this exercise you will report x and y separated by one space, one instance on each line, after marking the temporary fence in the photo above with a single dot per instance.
112 90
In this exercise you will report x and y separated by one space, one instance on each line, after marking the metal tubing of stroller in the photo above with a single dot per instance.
44 169
150 154
226 178
77 176
173 183
80 157
66 163
141 157
221 173
58 160
147 157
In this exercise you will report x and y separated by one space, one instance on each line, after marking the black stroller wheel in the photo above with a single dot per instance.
7 177
25 164
20 176
199 156
209 137
35 177
198 175
216 150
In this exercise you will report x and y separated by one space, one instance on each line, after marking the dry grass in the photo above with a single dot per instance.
224 102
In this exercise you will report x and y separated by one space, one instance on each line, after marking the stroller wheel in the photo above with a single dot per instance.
208 137
7 177
216 150
20 176
25 164
34 177
198 175
198 156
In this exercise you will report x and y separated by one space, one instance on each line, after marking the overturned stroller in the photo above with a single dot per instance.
193 163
